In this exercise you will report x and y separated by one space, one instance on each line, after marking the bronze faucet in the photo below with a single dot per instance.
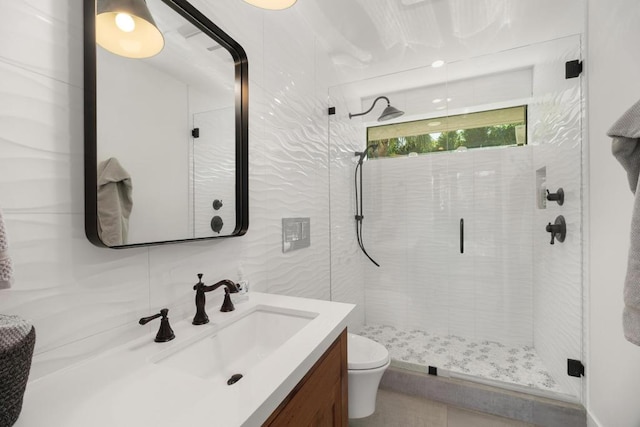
165 333
201 316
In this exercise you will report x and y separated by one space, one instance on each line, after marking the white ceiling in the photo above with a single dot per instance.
368 38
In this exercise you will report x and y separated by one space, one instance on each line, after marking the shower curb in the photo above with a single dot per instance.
483 398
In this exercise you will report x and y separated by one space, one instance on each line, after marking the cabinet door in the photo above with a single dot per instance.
320 398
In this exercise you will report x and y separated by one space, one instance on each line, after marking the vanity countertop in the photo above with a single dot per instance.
123 387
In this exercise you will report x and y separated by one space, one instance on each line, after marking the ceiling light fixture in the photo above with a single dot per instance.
437 64
126 28
388 113
271 4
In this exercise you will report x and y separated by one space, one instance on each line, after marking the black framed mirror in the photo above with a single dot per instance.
166 134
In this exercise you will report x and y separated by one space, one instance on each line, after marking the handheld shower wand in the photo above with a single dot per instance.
358 184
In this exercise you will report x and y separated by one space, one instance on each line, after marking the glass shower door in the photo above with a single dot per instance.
524 295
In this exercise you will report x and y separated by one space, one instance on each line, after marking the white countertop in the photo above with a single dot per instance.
123 388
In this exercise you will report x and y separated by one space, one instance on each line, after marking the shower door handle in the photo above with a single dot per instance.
461 235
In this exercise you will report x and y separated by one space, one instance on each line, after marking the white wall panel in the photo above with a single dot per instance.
44 37
41 143
613 367
67 288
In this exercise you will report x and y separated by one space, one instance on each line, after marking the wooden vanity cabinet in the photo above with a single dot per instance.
320 398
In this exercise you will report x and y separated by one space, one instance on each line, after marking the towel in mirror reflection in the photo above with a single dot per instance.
115 202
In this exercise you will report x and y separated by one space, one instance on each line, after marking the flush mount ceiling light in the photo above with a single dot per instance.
126 28
272 4
388 113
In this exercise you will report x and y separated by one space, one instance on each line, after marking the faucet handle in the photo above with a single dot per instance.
146 320
227 304
165 333
230 287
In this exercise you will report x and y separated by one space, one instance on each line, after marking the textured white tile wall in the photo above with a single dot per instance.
295 149
84 299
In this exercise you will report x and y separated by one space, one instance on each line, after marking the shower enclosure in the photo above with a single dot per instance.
469 284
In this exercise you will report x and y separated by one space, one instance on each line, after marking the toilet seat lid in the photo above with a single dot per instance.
364 353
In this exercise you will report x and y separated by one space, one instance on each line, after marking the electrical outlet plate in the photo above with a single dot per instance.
296 234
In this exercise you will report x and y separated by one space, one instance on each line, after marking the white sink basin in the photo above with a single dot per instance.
273 340
233 349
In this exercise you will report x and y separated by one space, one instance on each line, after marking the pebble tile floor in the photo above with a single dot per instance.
416 350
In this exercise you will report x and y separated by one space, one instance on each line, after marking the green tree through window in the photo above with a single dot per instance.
492 128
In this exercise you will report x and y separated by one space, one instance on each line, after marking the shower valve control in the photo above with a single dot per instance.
558 196
558 230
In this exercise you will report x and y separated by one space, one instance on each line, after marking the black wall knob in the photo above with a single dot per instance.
216 224
217 204
558 196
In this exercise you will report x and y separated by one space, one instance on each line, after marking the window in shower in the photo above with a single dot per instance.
502 127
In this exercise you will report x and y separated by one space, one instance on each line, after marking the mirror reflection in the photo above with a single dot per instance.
166 137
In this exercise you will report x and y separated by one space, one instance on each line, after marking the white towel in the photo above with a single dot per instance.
6 267
626 148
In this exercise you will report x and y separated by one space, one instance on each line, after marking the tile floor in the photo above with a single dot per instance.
400 410
416 350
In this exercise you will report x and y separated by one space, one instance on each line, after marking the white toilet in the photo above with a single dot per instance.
367 361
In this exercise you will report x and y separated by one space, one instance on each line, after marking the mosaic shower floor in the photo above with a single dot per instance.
416 350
